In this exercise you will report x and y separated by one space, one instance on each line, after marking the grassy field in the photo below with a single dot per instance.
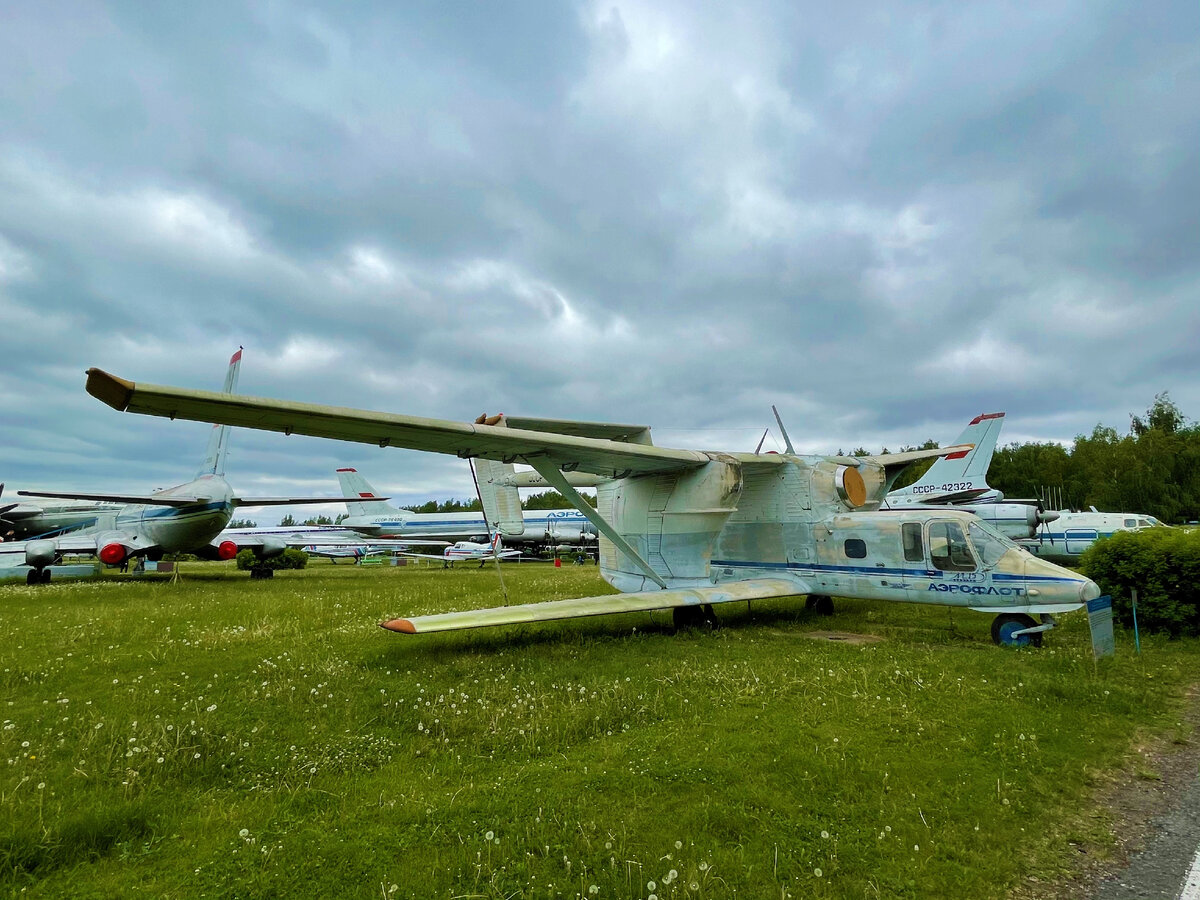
226 738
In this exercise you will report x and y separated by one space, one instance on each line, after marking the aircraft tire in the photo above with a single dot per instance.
45 576
33 576
1006 623
821 604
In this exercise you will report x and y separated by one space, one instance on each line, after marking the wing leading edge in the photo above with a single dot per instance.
581 607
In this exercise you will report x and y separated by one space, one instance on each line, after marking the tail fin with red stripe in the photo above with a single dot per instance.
963 473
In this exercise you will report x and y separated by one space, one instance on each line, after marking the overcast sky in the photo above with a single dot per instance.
883 219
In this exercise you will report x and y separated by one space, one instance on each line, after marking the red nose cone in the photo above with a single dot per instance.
227 550
111 554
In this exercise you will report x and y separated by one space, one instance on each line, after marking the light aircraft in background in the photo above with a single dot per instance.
330 541
372 517
1073 532
182 518
960 480
689 530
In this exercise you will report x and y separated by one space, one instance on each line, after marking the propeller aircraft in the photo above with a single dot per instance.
689 530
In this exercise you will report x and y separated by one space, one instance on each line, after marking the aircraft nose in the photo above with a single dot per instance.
1089 590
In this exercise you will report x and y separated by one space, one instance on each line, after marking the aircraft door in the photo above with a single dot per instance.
1077 540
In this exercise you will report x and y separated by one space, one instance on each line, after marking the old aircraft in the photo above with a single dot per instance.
688 530
186 517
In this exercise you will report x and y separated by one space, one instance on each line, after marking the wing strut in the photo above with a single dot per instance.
550 472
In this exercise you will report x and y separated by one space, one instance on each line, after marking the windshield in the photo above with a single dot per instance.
989 543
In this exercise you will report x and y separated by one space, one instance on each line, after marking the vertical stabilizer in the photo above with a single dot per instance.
501 501
218 441
966 467
354 485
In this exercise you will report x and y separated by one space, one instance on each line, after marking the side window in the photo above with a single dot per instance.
910 534
948 548
1142 523
856 548
1130 523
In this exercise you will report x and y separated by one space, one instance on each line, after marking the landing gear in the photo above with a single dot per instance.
37 576
695 617
1006 626
821 604
262 572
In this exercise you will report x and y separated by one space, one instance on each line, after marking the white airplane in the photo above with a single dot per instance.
371 516
24 520
182 518
1073 532
688 530
331 541
960 480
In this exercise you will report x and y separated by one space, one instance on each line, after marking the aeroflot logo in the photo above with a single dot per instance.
977 589
566 514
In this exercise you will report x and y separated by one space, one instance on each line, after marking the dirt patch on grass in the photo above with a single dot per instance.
843 637
1156 775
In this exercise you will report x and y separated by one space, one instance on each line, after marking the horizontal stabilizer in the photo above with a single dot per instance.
751 589
288 501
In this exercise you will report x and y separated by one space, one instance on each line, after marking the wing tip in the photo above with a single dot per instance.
116 392
401 626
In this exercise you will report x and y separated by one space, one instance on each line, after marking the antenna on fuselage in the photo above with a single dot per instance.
786 440
766 431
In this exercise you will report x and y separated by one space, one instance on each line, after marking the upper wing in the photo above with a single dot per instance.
751 589
603 457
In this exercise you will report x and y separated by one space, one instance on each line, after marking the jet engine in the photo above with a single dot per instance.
113 550
227 550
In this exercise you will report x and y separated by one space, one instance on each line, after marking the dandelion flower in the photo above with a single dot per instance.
650 885
489 835
825 834
679 845
817 872
244 833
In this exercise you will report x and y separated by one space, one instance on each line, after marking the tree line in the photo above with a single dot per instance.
1153 468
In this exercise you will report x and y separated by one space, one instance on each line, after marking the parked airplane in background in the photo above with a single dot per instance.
687 530
960 480
183 518
317 540
372 517
1073 532
23 520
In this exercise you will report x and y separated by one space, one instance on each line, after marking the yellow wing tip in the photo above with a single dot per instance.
116 392
403 626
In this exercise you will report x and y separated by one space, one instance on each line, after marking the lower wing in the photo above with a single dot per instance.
580 607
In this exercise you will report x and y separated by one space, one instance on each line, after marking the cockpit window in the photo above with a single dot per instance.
989 546
948 548
1142 523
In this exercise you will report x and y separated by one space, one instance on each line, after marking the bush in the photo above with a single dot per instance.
1163 564
290 558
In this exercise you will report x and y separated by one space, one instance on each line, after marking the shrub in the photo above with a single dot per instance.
1163 564
290 558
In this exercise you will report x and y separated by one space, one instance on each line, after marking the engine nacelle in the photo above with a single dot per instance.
271 547
39 554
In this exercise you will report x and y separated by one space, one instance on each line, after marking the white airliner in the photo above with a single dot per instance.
1066 538
371 516
183 518
24 520
959 480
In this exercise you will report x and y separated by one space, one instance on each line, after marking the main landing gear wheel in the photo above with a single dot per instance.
695 617
33 576
1006 624
821 604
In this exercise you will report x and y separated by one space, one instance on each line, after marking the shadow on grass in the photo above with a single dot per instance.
84 837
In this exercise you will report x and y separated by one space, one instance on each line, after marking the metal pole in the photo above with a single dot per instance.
1137 641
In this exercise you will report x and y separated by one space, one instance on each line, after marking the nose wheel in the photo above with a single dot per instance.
1018 630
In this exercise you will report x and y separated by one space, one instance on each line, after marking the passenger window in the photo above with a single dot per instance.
856 548
1130 523
948 549
910 534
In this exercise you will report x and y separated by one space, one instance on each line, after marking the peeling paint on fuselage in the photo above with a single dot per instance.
738 518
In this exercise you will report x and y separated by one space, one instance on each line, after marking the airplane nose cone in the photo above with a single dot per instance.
1089 590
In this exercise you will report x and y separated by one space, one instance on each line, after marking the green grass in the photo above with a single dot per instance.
226 738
